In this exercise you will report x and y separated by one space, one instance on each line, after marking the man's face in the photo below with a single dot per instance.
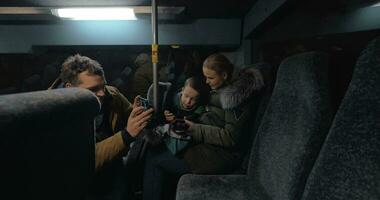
94 83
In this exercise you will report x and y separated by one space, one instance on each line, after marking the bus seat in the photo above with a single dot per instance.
124 82
289 138
126 73
348 166
31 83
261 100
47 144
137 151
50 74
9 90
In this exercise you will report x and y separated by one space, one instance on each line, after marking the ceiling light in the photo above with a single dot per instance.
174 46
376 4
95 13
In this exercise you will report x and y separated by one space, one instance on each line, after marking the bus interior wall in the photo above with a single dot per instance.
38 69
344 50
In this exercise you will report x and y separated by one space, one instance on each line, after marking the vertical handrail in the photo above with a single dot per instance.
155 54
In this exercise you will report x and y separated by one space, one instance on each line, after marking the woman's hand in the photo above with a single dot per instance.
190 124
169 116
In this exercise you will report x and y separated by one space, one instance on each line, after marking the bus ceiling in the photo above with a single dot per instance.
28 23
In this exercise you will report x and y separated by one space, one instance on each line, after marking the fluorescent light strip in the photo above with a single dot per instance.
95 13
376 4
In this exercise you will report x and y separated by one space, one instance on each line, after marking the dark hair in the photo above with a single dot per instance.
199 85
74 65
220 64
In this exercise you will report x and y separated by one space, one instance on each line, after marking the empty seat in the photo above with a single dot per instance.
348 166
47 144
289 138
32 83
50 73
9 90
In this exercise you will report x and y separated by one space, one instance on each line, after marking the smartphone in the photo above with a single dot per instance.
179 126
143 102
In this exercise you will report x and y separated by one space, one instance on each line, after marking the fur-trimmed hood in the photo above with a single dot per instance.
248 81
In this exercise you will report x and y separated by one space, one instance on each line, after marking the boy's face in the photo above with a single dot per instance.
189 97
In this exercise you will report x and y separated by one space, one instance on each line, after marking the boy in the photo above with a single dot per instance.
187 104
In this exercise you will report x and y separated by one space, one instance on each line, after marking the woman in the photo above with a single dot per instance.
215 141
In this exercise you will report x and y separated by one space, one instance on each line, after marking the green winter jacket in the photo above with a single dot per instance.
217 138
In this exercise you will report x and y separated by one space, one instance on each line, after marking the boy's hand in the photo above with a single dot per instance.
169 116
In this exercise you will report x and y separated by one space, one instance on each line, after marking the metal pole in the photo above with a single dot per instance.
155 54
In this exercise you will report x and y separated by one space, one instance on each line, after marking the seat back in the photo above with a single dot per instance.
348 166
259 105
264 96
47 144
292 129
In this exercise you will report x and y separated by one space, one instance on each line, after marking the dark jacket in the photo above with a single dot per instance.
217 137
119 108
177 145
142 78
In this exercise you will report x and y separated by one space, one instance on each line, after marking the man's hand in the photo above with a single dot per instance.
136 102
138 119
169 116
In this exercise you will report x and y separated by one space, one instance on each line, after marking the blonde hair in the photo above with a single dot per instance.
220 64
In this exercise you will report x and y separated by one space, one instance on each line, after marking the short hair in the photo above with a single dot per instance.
220 64
74 65
199 85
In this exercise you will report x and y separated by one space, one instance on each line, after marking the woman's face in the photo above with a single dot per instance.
213 79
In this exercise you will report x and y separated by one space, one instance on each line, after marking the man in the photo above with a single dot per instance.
118 122
143 77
